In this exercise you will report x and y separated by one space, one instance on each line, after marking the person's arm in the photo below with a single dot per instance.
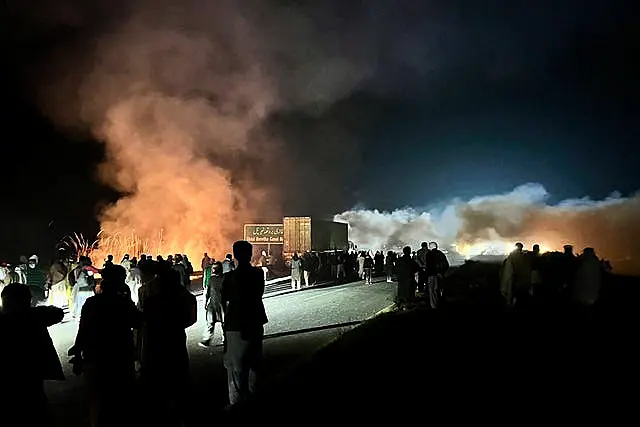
49 315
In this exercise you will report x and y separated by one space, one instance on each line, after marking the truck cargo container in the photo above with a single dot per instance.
302 233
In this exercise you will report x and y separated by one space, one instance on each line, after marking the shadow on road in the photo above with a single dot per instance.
309 330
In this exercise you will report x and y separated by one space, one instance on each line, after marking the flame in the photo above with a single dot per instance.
496 247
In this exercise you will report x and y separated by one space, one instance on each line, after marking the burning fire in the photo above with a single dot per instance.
494 247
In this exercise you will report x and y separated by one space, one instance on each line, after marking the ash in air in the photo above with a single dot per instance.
492 224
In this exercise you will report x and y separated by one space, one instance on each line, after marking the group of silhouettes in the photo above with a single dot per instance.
133 359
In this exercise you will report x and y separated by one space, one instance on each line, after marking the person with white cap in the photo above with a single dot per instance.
36 280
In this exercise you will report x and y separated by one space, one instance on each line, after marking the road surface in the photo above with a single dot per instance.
299 323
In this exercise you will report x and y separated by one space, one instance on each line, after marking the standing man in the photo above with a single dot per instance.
437 266
421 259
205 265
264 264
227 264
244 320
36 280
213 304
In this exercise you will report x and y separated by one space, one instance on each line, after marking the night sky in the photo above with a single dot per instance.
458 98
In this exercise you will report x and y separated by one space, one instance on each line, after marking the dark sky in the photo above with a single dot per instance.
466 97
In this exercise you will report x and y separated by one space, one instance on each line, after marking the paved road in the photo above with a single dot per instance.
299 323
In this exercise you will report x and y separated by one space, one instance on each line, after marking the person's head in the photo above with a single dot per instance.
433 245
407 250
519 247
424 245
568 249
110 258
126 256
295 256
113 277
148 270
536 249
229 257
16 297
217 268
33 261
242 251
206 255
589 252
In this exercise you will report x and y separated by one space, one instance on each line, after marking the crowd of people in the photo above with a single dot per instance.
134 339
133 315
529 277
418 272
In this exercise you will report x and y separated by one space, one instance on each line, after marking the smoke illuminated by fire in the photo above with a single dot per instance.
491 225
182 94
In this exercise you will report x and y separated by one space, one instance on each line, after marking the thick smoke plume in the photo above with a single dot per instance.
179 112
182 95
496 222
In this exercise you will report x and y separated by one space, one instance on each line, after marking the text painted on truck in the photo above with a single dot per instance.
272 234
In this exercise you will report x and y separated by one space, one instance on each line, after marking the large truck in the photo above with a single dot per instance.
303 233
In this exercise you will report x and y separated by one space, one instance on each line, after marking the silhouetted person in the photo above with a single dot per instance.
27 357
227 264
263 262
379 263
341 272
109 262
515 278
205 265
421 259
368 269
388 266
436 267
567 272
213 304
104 349
178 265
296 272
588 279
36 279
244 321
535 264
56 278
167 309
407 269
83 284
307 267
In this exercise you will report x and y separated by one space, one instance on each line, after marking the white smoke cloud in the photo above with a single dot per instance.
523 214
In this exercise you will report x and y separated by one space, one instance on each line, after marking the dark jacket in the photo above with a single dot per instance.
242 291
167 311
213 301
105 334
437 262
